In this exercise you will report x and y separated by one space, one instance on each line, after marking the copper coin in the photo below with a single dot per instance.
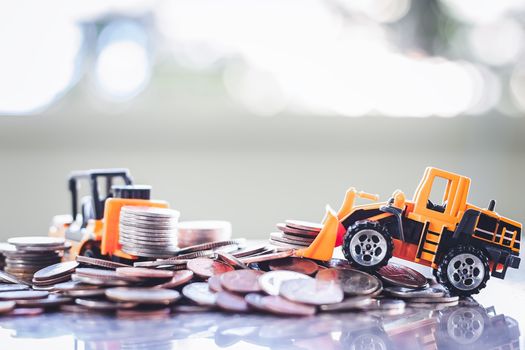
279 305
300 265
241 281
304 225
26 311
200 293
99 262
311 291
179 278
142 272
205 268
56 270
191 308
6 306
24 294
353 282
268 257
402 276
12 287
144 313
297 232
232 302
271 281
143 295
51 301
214 283
103 304
231 260
73 308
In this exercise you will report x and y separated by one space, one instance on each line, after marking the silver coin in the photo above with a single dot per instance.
153 244
311 291
348 304
442 299
200 293
149 232
408 293
353 282
97 281
36 241
150 211
85 293
162 262
152 250
283 237
143 295
249 251
137 252
125 216
271 281
12 287
212 245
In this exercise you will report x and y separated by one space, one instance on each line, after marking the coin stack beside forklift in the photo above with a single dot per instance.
124 257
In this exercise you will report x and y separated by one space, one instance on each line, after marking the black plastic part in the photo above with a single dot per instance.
93 177
467 224
132 191
492 205
396 212
442 276
500 256
367 225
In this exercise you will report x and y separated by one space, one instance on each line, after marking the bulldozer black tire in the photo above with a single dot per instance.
452 285
380 232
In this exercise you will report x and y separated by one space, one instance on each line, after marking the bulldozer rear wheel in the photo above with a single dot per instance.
367 245
464 270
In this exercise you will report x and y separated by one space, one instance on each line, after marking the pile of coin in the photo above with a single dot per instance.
26 255
295 234
223 275
191 233
148 231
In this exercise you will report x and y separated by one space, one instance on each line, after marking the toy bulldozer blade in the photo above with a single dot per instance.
323 245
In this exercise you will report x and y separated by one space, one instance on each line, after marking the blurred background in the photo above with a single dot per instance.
258 111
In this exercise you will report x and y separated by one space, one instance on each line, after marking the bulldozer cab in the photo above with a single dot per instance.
440 198
91 206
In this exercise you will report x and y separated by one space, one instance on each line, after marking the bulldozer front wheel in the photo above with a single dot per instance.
367 245
464 270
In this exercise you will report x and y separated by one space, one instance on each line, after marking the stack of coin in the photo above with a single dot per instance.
191 233
148 231
26 255
3 246
295 234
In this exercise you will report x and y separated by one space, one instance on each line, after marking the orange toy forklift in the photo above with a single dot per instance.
462 243
93 229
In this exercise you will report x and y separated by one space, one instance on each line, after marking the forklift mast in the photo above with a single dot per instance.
94 177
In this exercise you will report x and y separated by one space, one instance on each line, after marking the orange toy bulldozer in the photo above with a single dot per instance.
462 243
93 227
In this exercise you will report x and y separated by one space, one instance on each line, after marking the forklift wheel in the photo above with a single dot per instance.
91 248
464 270
367 245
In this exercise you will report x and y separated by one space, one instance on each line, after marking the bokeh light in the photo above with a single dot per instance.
39 61
123 67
